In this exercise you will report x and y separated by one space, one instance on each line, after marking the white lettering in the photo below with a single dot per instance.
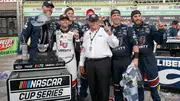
49 65
43 82
174 63
33 84
28 66
143 46
59 81
158 63
49 82
46 82
168 63
38 83
54 81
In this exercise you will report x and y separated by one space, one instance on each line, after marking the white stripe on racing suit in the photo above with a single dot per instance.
64 47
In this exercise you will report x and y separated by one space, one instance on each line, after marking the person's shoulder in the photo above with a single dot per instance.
75 24
70 32
124 25
85 25
147 24
101 29
32 18
86 34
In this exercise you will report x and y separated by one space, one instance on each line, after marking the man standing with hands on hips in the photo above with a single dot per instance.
96 57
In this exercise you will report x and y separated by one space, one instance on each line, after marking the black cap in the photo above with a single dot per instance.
48 3
63 16
175 22
93 18
115 11
135 12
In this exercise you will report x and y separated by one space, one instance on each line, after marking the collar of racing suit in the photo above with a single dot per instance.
65 31
138 26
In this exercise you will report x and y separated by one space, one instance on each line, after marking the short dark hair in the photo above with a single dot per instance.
175 22
68 9
115 11
135 12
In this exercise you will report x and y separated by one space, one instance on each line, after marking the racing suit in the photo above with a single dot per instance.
83 78
121 57
72 27
27 32
146 35
33 32
65 47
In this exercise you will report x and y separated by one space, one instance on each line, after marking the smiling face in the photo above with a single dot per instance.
116 19
70 14
94 25
64 23
47 9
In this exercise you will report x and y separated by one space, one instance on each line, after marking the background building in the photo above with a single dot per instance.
8 25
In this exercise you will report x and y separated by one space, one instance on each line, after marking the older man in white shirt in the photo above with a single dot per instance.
96 57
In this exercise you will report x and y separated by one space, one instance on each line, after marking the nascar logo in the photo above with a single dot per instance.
38 65
40 83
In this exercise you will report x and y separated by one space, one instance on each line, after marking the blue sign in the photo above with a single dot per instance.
169 71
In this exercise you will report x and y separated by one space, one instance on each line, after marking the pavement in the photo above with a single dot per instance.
6 63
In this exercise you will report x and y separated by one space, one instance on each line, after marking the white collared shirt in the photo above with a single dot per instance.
101 44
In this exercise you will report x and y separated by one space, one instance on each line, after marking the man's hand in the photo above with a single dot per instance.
102 18
76 35
160 26
135 62
19 57
82 69
107 30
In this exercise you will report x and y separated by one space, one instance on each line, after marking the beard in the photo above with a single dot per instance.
48 12
138 22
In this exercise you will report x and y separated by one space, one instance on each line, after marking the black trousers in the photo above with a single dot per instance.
119 65
98 75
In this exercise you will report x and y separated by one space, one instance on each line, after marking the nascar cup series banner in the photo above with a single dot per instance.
169 71
40 88
8 45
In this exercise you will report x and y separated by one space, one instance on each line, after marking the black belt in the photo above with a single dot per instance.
120 57
96 59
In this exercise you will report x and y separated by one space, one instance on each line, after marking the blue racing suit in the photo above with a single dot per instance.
121 56
84 83
146 35
33 32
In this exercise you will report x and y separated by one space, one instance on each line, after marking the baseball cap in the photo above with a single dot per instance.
115 11
135 12
48 3
63 16
88 11
93 18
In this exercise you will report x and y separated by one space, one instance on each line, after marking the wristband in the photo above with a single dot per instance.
136 54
